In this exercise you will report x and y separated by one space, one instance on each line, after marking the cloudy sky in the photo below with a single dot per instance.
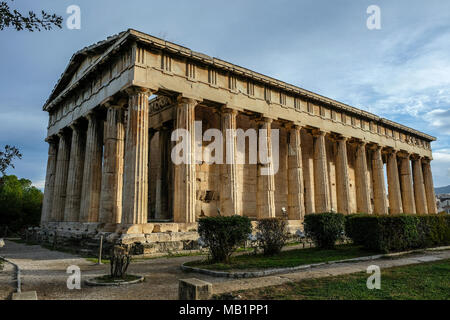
401 72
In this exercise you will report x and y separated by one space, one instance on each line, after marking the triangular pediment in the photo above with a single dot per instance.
80 62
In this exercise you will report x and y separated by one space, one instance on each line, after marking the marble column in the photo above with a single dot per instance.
409 205
342 178
92 171
184 177
135 191
265 202
49 179
379 187
162 176
321 190
419 186
75 178
112 172
429 186
62 170
395 195
296 207
362 185
229 183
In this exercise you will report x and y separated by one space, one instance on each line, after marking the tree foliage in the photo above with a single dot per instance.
20 203
31 21
7 156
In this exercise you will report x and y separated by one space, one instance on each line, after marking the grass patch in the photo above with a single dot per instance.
427 281
288 258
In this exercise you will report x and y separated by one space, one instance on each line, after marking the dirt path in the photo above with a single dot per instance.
44 271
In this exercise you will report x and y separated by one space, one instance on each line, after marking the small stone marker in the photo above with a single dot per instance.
27 295
194 289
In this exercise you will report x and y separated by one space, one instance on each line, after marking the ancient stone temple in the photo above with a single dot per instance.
110 169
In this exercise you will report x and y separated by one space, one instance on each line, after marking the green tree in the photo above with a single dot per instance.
20 203
31 21
7 156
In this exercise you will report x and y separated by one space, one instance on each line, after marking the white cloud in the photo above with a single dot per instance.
440 119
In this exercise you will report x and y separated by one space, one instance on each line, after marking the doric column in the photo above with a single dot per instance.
362 185
162 175
184 186
112 172
62 169
379 187
296 207
49 179
135 194
322 190
265 175
75 177
419 186
229 185
429 186
92 171
395 195
409 205
342 178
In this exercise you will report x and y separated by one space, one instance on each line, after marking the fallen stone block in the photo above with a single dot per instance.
27 295
194 289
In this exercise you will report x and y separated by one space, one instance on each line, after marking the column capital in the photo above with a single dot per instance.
138 90
403 154
318 132
374 146
52 139
187 100
263 119
293 125
115 103
227 110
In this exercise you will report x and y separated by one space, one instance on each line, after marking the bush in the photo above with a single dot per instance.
223 234
324 228
398 232
272 235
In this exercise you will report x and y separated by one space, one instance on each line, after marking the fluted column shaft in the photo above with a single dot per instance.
229 186
296 207
322 190
362 185
92 171
409 205
429 187
266 180
419 187
49 180
162 176
379 187
342 178
135 194
395 195
62 169
75 177
185 183
112 173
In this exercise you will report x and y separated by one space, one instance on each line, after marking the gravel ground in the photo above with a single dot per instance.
44 270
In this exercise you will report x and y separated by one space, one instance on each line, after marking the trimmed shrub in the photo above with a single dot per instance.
324 228
272 235
398 232
222 235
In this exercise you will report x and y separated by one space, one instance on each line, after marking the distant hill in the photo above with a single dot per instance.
442 190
